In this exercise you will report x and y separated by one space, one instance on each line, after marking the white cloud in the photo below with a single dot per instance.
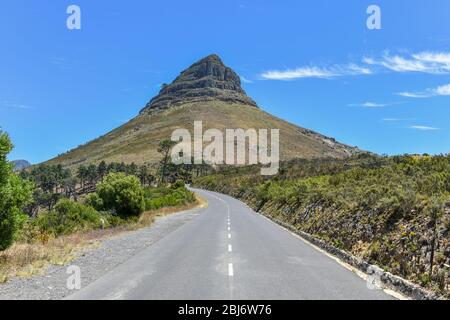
443 90
390 119
434 57
245 80
413 95
423 128
422 62
397 119
8 104
425 62
368 60
22 106
433 92
370 104
358 69
291 74
316 72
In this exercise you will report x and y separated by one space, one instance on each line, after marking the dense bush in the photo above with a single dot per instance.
15 193
69 217
94 200
121 194
157 198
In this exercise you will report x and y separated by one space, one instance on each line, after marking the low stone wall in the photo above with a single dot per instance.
388 280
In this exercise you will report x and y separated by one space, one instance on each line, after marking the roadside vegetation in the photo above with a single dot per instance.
47 213
390 211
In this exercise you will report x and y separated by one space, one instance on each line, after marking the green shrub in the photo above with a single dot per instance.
94 200
157 198
15 194
69 217
178 184
121 194
113 221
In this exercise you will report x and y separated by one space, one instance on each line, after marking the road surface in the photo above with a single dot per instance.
229 252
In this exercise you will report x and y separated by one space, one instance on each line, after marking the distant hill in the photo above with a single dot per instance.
208 91
20 164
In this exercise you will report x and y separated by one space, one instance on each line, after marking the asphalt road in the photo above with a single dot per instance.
229 252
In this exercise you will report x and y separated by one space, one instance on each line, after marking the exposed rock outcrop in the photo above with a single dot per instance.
205 80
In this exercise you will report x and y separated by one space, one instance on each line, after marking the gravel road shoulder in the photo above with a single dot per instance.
94 262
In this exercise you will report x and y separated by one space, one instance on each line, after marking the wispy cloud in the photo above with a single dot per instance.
413 95
423 128
442 90
368 105
431 92
390 119
58 61
245 80
12 105
397 119
63 63
354 69
424 62
291 74
316 72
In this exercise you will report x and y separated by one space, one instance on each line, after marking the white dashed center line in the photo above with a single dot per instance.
230 248
230 270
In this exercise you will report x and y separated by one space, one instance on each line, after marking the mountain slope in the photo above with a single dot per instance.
20 164
207 91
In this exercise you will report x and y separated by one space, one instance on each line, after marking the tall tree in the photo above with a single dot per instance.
102 170
92 174
82 175
121 167
143 174
165 146
132 169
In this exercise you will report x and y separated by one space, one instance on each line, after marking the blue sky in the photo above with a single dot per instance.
313 63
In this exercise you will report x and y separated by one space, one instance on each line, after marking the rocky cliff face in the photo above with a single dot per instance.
207 79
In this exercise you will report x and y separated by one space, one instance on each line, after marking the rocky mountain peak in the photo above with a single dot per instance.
208 79
20 164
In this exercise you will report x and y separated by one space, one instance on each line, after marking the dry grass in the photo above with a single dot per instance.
25 260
